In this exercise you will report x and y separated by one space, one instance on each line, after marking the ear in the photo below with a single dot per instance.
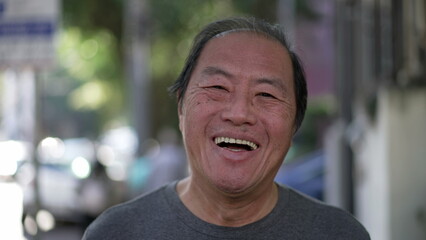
180 115
179 108
295 130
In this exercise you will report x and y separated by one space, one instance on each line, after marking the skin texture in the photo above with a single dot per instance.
242 87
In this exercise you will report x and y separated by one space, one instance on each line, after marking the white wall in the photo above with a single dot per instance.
391 167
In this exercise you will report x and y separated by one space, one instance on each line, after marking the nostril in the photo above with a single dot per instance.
239 114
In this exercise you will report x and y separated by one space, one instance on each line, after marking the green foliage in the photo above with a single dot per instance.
91 59
94 15
91 49
264 9
304 10
87 81
318 116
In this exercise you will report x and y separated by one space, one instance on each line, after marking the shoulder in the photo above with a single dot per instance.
120 220
324 220
146 204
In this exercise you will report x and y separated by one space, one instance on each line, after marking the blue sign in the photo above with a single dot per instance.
27 32
2 8
10 29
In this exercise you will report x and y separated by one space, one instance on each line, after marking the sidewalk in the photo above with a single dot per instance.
61 233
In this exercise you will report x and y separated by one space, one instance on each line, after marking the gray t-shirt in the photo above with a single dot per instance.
162 215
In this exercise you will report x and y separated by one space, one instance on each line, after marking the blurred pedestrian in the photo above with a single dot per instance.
169 164
242 96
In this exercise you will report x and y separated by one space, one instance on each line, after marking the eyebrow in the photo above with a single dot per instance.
210 71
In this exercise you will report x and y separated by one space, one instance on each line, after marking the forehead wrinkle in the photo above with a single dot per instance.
211 71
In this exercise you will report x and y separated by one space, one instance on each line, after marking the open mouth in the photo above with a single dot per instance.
234 144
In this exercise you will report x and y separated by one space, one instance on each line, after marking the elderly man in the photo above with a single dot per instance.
241 98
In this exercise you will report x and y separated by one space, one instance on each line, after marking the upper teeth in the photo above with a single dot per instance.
219 140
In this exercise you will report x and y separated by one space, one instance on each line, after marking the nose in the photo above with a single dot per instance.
239 111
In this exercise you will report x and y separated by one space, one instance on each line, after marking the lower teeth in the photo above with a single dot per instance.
235 150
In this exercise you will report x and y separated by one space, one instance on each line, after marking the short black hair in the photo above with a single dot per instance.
250 24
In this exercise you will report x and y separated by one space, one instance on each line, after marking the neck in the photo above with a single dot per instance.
224 209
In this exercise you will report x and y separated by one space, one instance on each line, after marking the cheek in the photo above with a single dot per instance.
194 112
192 101
280 129
199 106
278 117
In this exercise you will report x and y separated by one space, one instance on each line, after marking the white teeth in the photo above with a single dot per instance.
219 140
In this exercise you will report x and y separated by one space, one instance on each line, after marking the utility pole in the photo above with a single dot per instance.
286 16
136 45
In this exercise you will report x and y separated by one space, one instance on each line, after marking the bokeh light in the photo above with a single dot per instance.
81 167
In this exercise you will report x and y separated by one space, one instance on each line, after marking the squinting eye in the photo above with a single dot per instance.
218 87
266 95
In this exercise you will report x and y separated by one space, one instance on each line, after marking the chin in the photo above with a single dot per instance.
232 186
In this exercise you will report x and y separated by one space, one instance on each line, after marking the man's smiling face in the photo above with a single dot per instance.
237 115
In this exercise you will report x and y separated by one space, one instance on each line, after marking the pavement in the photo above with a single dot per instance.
60 233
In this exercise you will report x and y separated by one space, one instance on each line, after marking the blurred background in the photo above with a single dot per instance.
86 121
